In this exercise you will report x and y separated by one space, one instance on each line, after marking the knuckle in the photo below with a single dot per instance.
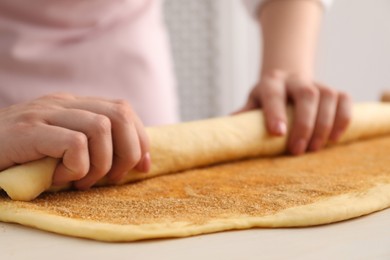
344 97
78 142
28 117
275 74
328 93
123 111
58 96
304 128
308 92
22 128
102 125
272 94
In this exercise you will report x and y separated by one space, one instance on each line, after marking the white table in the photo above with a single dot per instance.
362 238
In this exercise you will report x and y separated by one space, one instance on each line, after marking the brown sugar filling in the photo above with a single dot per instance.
255 187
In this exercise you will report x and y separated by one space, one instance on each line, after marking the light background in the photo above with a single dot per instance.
216 46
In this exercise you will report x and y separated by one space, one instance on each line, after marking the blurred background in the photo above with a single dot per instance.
216 48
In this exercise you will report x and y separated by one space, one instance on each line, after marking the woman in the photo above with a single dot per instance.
118 49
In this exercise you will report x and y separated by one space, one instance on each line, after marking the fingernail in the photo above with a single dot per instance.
280 128
299 147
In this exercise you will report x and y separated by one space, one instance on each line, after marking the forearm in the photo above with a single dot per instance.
290 30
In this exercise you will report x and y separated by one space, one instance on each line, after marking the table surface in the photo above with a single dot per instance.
366 237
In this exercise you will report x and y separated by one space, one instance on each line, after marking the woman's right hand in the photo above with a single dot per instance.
93 137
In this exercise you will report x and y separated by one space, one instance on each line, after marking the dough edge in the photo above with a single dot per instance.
333 209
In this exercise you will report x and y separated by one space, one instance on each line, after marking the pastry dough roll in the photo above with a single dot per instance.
188 145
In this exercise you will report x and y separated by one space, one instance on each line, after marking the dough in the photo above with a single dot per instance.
335 184
332 185
188 145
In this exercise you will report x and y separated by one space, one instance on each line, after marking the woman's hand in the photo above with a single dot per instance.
289 33
93 137
321 114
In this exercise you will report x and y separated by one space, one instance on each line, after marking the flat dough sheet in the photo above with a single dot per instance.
335 184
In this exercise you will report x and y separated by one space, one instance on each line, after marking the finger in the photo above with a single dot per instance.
325 118
343 116
145 163
126 143
127 151
273 99
58 142
306 98
133 149
97 128
123 166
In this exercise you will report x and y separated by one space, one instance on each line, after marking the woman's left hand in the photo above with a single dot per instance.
321 114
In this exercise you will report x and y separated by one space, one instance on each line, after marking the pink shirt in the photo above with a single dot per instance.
107 48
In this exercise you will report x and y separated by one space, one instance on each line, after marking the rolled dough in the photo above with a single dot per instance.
185 146
335 184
